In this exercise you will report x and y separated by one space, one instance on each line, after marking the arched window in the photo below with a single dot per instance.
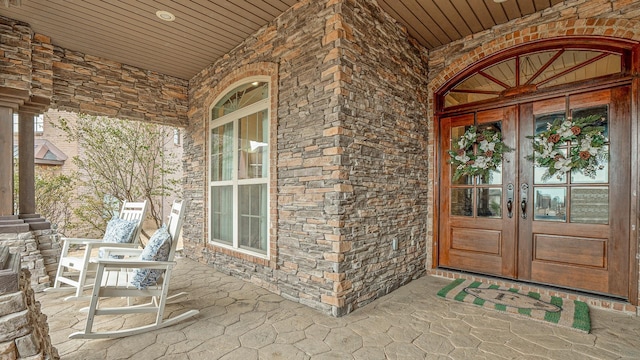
541 66
239 169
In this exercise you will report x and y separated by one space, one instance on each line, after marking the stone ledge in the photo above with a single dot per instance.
9 271
18 228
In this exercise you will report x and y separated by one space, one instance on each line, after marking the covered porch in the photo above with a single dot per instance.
351 173
239 320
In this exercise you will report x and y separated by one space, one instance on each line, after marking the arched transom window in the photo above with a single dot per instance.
532 71
239 169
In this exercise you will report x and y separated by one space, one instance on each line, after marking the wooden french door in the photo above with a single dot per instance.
477 232
570 230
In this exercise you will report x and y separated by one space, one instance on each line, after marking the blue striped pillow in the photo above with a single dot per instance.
157 249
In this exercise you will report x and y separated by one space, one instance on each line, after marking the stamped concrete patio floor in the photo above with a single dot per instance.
239 320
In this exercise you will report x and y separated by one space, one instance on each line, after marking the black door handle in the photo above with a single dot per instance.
524 189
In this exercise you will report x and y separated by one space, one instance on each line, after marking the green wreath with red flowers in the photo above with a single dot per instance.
477 153
588 151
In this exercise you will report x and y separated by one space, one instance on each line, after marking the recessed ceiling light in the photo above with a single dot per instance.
499 1
165 15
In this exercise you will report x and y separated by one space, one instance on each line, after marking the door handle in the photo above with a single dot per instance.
524 189
510 200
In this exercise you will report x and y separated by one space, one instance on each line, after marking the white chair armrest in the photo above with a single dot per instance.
80 240
135 263
128 251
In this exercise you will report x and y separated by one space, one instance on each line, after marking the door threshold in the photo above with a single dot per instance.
593 300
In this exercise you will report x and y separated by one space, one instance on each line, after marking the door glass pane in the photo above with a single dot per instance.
461 202
494 177
486 150
222 213
542 174
253 146
550 203
600 112
252 229
222 152
544 121
599 176
597 156
489 203
456 133
590 205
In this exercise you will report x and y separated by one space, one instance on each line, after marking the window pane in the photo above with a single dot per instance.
222 213
600 176
590 205
504 72
542 124
531 63
243 95
489 203
495 176
597 173
541 174
252 229
456 133
461 202
222 152
549 203
253 143
610 64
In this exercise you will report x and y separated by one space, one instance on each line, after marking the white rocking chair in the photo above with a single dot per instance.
75 270
114 281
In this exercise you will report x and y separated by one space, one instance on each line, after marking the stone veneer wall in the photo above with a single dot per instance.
383 138
96 86
42 74
610 18
39 252
24 332
291 50
16 54
347 164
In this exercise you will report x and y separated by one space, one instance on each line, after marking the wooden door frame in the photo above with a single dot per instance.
632 79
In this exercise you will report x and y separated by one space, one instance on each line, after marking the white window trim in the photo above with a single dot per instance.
261 105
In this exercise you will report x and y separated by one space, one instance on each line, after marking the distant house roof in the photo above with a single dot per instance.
48 154
45 153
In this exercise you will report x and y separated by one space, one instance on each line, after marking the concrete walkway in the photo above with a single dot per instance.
239 320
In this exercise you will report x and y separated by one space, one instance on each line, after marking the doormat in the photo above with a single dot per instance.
572 314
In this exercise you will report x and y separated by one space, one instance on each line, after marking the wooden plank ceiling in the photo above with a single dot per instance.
438 22
128 31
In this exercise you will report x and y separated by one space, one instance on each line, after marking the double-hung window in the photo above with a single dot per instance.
239 169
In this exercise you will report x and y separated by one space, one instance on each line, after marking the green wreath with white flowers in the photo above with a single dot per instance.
588 151
477 153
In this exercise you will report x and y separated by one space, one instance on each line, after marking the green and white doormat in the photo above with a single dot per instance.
573 314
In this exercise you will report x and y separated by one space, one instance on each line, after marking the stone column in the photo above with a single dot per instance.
6 161
26 170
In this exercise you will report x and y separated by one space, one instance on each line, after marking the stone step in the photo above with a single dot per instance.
29 216
17 228
40 225
33 220
9 217
11 222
